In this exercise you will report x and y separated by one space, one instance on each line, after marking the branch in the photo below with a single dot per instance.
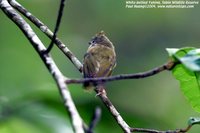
95 119
152 72
157 131
60 13
101 92
48 61
47 32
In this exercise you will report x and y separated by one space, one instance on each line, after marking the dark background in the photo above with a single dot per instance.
29 99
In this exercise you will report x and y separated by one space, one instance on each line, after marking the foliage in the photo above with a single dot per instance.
187 72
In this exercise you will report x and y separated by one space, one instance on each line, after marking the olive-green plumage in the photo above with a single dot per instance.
100 58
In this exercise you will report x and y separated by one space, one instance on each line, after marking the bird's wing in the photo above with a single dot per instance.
108 67
90 66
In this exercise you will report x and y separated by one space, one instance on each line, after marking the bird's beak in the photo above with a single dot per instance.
91 43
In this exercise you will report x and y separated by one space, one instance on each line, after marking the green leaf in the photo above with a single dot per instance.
187 74
189 57
189 83
194 120
192 60
172 51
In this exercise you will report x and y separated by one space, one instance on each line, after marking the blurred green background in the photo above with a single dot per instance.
29 99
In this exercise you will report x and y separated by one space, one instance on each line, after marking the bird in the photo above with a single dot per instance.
99 60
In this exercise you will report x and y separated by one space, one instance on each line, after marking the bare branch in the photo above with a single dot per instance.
60 13
48 61
101 92
47 32
157 131
152 72
95 119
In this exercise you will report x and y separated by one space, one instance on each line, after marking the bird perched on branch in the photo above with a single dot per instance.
100 59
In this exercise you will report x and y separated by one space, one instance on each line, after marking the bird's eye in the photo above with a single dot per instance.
92 42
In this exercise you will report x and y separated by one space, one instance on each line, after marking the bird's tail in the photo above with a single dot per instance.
99 88
88 86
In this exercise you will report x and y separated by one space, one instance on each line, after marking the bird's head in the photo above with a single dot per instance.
101 39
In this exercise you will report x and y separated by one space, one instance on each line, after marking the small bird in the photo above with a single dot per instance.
100 59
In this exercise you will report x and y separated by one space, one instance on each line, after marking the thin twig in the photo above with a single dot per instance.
95 119
47 32
152 72
60 13
101 92
48 61
145 130
157 131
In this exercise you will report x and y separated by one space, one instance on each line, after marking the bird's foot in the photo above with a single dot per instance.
100 91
